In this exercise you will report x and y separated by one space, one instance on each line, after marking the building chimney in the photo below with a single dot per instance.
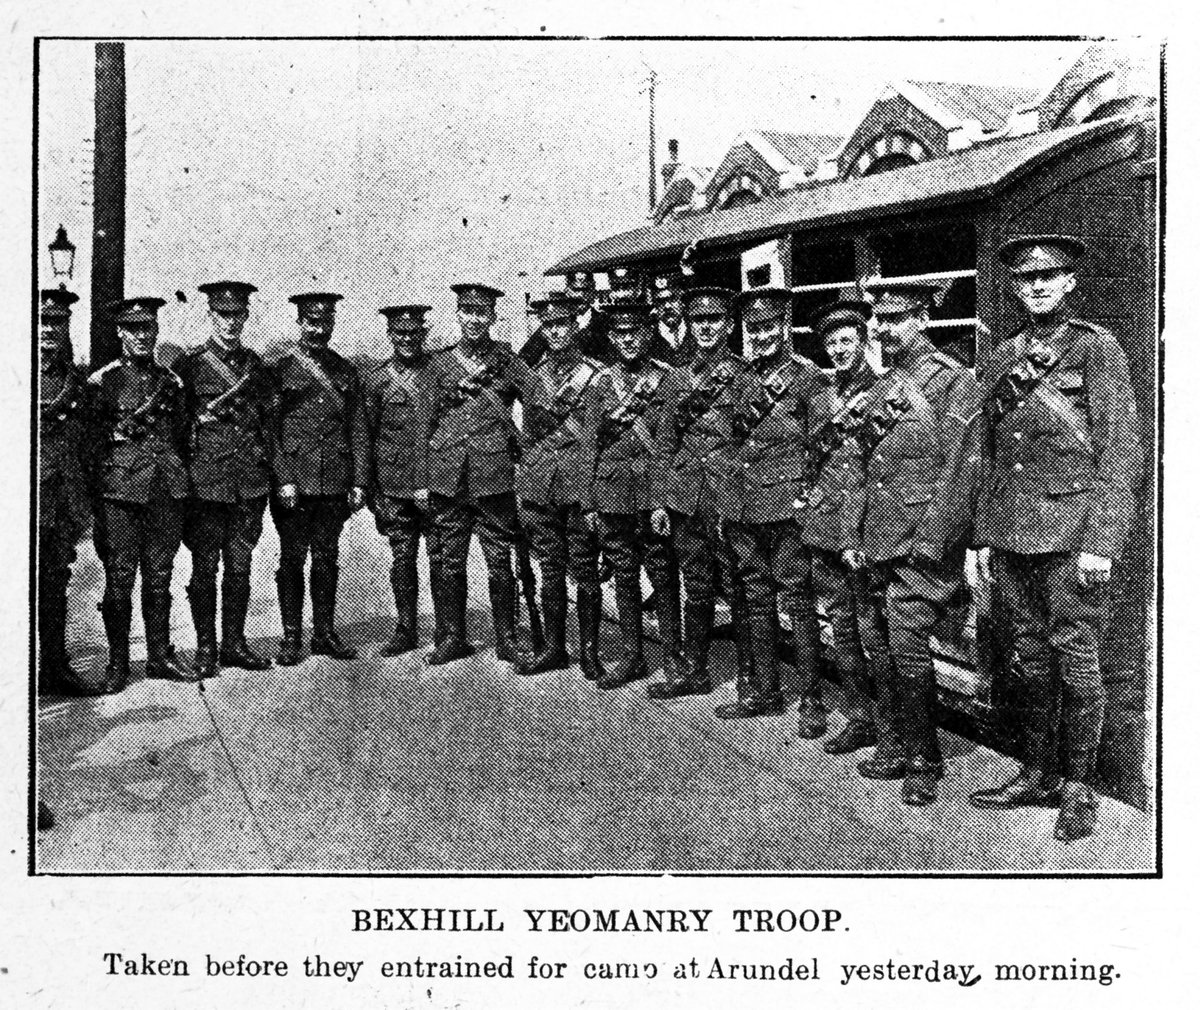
671 165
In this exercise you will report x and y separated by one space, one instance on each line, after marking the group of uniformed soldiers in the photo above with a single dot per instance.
645 442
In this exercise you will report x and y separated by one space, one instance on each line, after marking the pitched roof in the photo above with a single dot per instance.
970 174
803 150
987 104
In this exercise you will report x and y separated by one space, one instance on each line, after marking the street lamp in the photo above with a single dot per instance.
62 255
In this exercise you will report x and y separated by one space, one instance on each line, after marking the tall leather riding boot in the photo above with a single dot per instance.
235 601
693 675
759 693
322 580
290 582
587 603
450 606
631 665
806 642
553 655
203 599
1037 783
917 695
161 663
54 668
666 610
889 760
502 591
404 591
117 615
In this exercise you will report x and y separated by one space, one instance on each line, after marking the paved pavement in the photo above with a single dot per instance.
389 765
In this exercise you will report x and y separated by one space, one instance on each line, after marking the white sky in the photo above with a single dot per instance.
388 170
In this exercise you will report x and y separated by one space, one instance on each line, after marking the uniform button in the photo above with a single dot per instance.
879 483
1017 435
1018 467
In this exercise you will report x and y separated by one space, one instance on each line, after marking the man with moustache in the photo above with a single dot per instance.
137 433
472 450
843 329
592 338
229 397
551 483
63 511
1061 459
397 408
896 526
621 470
321 466
694 440
770 453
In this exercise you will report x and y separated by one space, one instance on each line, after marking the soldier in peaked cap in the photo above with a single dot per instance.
230 400
673 342
63 512
769 452
895 523
694 444
592 338
321 466
625 284
842 327
137 429
473 445
550 485
1061 460
397 405
621 473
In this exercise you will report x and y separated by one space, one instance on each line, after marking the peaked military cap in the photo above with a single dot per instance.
627 315
901 296
56 303
227 296
710 293
136 310
624 278
405 318
669 283
1027 254
315 304
472 293
760 304
557 305
581 280
843 312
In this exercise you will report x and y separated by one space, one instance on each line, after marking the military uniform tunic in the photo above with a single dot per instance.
64 513
322 449
1061 461
552 479
137 434
770 469
913 429
397 409
838 587
230 400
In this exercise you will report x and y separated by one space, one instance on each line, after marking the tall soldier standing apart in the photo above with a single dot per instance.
551 483
895 523
770 452
397 398
230 400
843 329
63 511
694 442
321 466
473 445
622 469
1061 459
137 428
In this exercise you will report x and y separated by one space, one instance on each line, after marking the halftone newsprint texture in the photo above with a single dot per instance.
553 456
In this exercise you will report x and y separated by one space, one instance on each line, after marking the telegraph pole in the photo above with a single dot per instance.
653 166
108 205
